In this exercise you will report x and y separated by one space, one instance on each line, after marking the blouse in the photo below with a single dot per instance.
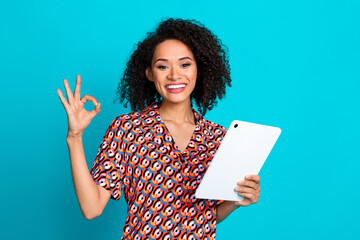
139 157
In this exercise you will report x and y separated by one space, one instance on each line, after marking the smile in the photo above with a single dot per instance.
176 86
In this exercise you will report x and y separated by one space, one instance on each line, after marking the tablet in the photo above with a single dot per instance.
242 151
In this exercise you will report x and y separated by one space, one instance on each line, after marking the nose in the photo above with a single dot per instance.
174 73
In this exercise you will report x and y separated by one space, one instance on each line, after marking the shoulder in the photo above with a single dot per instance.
129 121
213 128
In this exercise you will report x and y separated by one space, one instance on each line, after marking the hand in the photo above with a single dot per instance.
78 117
250 189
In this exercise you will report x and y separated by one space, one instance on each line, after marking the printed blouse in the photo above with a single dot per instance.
139 157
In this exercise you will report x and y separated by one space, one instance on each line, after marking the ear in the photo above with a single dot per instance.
148 74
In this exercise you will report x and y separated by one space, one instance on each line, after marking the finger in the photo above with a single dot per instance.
241 190
250 184
62 99
96 110
77 87
87 97
255 178
69 94
253 198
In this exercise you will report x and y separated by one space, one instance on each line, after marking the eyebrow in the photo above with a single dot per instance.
165 60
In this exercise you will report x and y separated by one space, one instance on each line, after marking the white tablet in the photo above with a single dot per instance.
242 151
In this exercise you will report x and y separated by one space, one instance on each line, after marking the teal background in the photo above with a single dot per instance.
295 65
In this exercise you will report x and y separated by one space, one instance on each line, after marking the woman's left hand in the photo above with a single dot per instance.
250 189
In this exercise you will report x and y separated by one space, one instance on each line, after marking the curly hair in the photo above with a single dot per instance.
210 56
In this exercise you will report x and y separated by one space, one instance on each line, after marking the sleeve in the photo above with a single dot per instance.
109 162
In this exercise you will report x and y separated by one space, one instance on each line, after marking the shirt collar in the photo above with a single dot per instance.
155 107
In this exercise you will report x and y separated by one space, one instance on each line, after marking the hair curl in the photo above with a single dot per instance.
210 56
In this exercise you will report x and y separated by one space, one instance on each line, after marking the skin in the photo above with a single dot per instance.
173 63
92 198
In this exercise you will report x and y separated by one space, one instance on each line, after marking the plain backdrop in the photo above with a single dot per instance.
295 65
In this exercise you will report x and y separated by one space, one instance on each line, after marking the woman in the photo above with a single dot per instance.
159 154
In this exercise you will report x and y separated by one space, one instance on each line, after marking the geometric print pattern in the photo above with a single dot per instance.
139 157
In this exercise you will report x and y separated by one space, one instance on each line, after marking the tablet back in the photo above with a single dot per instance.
242 151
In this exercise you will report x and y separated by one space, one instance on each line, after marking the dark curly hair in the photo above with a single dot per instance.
210 56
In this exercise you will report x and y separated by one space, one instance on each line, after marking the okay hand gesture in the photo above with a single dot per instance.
78 117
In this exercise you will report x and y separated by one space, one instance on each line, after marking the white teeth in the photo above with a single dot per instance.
176 86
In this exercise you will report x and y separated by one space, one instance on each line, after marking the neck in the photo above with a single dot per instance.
176 112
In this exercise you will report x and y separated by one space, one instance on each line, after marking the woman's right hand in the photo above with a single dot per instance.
78 117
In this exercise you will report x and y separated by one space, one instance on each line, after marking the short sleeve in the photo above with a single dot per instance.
109 162
218 202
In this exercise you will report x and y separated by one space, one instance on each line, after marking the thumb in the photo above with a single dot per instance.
243 203
96 110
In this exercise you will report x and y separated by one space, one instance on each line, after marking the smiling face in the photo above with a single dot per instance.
173 71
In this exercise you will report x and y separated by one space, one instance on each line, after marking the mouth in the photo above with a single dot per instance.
176 88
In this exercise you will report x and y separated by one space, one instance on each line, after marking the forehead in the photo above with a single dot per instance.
172 49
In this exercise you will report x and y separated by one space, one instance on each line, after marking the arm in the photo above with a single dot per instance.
224 210
249 189
91 197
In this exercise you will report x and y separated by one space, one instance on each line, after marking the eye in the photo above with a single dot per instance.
161 67
185 65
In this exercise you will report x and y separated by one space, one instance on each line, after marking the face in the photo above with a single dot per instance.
173 71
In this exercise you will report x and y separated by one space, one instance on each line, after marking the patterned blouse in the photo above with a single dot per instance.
139 156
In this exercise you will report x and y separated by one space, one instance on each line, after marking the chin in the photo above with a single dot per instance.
176 100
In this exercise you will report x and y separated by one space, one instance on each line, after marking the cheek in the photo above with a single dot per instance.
159 86
158 76
192 75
